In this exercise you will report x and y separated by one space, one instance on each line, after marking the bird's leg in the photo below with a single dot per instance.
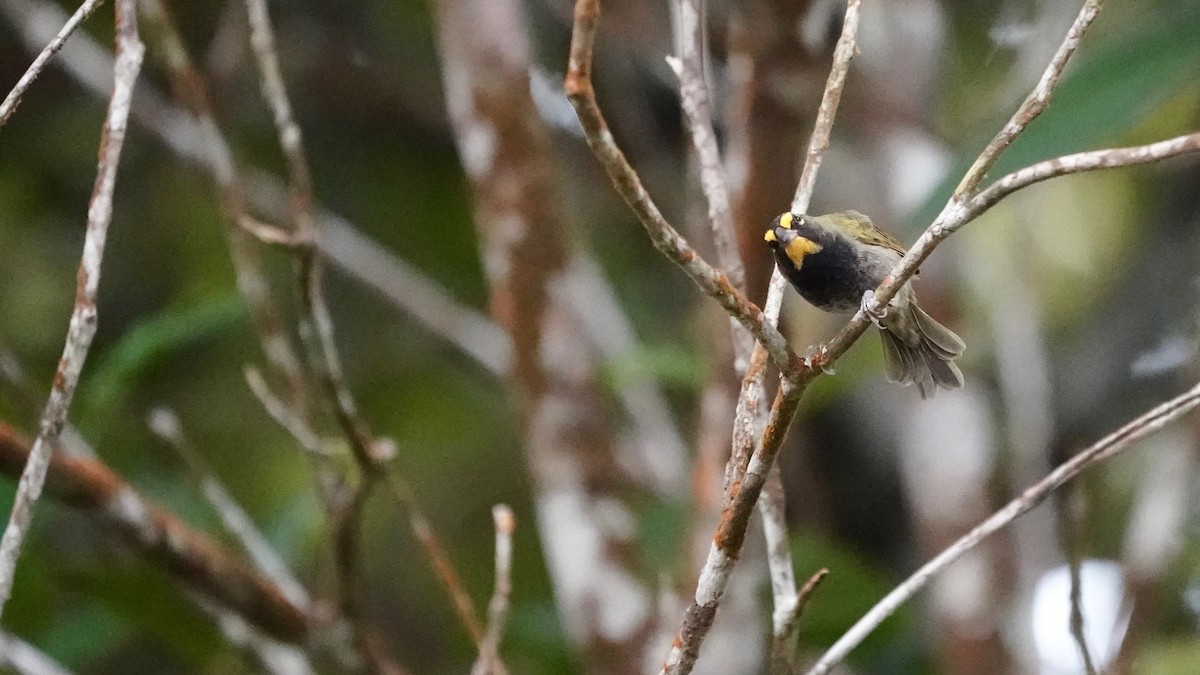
873 311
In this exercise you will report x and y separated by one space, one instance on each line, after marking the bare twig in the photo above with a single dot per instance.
10 103
1072 505
847 47
689 68
162 538
779 562
1080 162
268 234
745 429
1034 104
783 651
329 483
713 282
317 330
316 324
25 659
165 424
489 647
422 528
271 655
693 94
285 416
344 245
82 327
188 86
751 463
1105 448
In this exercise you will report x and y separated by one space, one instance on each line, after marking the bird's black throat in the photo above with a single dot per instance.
832 279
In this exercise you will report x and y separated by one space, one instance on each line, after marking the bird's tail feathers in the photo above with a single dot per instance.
919 350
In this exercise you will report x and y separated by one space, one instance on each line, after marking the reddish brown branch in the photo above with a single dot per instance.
713 282
162 538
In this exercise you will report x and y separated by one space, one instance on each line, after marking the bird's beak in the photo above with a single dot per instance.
771 239
794 245
779 236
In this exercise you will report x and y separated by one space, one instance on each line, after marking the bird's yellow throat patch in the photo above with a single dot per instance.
800 247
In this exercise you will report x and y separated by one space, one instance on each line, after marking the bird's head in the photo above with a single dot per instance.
795 235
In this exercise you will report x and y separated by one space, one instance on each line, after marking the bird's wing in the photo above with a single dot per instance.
861 228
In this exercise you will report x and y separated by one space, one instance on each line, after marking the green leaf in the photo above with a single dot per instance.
150 341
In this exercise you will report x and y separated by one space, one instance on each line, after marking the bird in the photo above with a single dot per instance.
836 261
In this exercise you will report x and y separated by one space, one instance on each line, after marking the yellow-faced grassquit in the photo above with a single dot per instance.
836 262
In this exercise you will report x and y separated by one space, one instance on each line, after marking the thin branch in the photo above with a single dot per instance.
751 463
316 323
25 659
731 532
10 103
771 506
329 483
713 282
271 655
162 538
341 242
693 94
422 528
188 86
284 416
1080 162
783 652
164 423
489 647
82 327
689 68
843 53
317 330
1072 506
1034 103
746 431
1105 448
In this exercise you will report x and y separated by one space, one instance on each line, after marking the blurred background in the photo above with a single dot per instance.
1077 299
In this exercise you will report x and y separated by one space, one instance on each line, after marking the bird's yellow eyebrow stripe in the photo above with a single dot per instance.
800 247
785 221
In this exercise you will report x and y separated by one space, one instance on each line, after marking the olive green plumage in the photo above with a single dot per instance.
833 260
